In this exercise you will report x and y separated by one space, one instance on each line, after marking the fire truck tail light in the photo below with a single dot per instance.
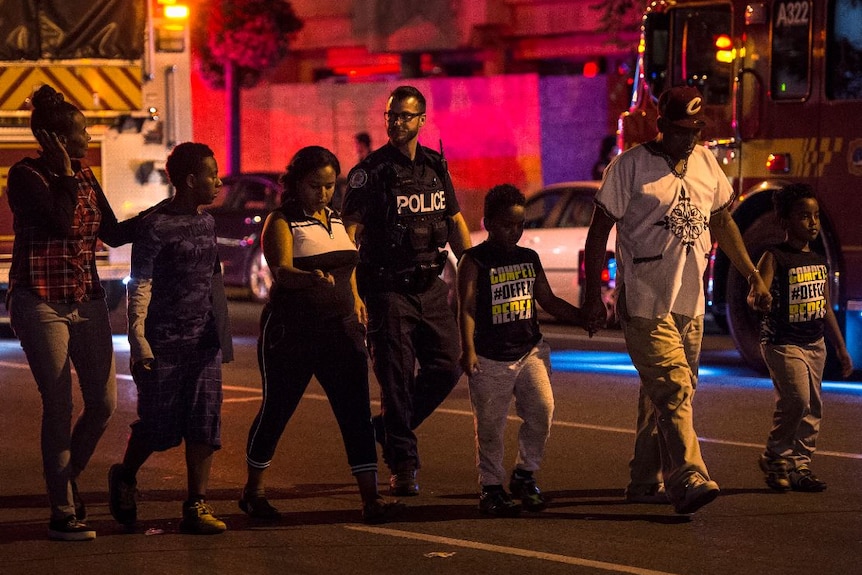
723 42
725 56
778 163
170 10
177 12
171 22
724 51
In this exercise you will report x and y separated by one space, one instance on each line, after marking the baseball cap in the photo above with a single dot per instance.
682 106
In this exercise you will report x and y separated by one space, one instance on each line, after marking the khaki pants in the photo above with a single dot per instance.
665 352
797 372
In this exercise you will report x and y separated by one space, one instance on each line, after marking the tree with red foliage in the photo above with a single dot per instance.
238 42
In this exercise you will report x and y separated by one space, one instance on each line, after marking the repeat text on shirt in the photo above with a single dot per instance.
512 293
807 293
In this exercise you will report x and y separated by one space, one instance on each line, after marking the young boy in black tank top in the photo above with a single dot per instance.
499 284
791 341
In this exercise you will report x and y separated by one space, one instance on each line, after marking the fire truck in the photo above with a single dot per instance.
126 65
782 85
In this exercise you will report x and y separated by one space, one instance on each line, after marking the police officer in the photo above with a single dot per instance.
400 208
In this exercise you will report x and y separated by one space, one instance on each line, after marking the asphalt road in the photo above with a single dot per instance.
587 529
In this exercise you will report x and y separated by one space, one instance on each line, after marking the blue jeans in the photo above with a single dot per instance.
55 337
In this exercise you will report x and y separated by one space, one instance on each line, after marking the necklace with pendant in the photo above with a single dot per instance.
653 146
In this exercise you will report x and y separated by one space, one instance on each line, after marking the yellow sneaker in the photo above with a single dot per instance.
198 519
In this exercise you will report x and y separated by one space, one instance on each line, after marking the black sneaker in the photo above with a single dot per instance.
80 508
497 502
198 519
258 507
801 479
524 487
70 529
775 473
403 484
381 511
121 496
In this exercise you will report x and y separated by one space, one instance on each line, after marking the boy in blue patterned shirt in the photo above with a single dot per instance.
174 339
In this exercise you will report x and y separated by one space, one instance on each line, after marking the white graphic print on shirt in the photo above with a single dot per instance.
807 301
512 292
685 221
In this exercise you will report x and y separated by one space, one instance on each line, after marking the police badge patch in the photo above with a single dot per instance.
358 178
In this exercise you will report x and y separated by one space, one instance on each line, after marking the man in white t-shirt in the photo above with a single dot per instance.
665 197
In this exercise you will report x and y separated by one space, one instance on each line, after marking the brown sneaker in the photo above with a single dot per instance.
775 473
403 484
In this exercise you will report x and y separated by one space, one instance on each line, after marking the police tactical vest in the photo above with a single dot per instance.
416 211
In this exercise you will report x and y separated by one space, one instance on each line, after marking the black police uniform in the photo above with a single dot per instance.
406 209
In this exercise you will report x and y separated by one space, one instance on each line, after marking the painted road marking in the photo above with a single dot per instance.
252 394
526 553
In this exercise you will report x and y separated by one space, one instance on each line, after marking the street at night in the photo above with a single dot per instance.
658 150
588 528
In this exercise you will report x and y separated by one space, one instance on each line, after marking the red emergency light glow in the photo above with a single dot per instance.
778 163
591 70
363 71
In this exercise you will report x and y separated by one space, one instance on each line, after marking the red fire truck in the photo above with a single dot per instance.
126 65
782 84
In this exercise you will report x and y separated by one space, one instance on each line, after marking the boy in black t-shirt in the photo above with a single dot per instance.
791 341
499 284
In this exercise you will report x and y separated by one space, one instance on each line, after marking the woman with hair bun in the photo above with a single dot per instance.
312 326
55 300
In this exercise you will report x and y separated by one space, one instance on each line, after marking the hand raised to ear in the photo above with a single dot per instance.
54 153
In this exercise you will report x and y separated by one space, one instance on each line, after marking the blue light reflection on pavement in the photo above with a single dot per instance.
619 362
582 362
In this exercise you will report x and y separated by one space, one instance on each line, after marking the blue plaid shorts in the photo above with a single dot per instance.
180 398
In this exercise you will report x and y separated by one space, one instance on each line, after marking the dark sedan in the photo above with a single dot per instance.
240 211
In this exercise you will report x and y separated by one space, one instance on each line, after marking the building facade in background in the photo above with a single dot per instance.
519 91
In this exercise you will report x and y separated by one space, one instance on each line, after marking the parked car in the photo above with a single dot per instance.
557 220
240 212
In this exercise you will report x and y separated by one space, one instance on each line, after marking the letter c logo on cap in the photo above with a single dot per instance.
693 107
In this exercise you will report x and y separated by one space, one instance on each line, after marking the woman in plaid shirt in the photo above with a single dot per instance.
56 302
